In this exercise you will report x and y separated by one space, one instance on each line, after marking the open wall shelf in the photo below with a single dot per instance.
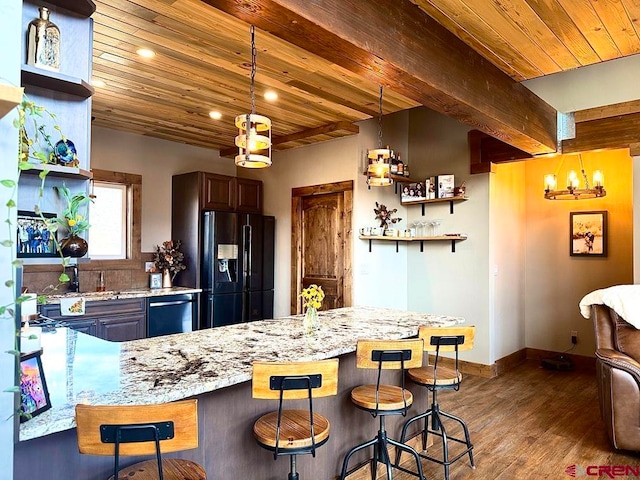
59 171
10 97
441 238
423 202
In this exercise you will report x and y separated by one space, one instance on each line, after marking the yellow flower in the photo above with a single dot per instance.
72 222
312 296
79 217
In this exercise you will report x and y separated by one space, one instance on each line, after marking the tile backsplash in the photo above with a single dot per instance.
118 275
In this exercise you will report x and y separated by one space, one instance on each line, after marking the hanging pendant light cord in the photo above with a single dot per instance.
380 119
584 174
253 70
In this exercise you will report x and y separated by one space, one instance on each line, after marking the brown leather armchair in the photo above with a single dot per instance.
618 376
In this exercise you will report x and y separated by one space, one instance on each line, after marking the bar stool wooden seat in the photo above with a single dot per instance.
128 430
438 377
293 432
381 400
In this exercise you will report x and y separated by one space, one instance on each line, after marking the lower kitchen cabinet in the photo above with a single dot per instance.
115 320
120 328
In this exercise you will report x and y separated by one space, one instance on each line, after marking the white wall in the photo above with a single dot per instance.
156 160
379 276
439 281
10 29
507 240
591 86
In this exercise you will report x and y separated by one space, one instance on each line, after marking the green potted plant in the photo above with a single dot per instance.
74 221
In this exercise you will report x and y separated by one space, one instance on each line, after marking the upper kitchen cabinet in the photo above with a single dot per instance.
249 195
217 192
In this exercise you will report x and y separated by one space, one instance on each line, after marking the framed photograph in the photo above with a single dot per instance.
155 280
33 238
34 395
588 234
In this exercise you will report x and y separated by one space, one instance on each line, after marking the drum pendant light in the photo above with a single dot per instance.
254 131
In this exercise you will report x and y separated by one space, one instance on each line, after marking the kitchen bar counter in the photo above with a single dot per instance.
213 366
83 369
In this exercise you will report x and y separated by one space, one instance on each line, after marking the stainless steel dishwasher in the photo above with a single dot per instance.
169 314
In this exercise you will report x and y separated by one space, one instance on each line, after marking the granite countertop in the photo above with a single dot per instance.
83 369
118 294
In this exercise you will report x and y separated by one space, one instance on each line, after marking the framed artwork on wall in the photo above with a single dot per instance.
588 234
33 238
34 396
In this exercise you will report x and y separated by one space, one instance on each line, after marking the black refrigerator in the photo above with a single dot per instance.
237 268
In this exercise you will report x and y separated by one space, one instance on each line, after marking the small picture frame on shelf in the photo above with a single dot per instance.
33 238
445 186
430 188
34 395
413 192
155 280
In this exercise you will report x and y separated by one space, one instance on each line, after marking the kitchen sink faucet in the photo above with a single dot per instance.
74 282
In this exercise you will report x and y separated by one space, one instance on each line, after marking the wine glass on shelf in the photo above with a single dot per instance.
435 227
415 229
423 229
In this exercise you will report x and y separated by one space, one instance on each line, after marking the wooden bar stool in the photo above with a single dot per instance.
128 430
438 377
381 400
293 432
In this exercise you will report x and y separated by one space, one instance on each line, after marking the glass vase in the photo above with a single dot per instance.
310 323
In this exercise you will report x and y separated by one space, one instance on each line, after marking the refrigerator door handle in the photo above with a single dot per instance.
246 254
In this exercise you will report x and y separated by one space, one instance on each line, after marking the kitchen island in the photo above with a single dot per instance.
213 366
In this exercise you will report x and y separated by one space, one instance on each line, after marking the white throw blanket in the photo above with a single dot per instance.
623 299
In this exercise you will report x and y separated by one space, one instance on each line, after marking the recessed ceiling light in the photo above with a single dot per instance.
98 83
215 115
146 53
270 96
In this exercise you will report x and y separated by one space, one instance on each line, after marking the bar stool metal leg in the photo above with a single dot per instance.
381 454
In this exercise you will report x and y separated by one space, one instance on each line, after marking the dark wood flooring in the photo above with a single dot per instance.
529 423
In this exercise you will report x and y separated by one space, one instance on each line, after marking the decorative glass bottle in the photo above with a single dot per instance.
43 42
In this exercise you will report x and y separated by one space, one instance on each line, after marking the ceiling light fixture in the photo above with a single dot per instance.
98 83
573 190
254 131
215 115
378 169
146 53
270 96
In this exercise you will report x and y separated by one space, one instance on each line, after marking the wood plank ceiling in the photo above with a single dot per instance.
203 56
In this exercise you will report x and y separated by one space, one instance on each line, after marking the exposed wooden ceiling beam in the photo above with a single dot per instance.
614 110
398 45
346 128
610 132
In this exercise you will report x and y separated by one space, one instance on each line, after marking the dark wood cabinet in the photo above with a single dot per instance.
249 195
120 328
85 326
115 320
218 192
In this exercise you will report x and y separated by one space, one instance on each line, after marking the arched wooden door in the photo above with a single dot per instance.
321 243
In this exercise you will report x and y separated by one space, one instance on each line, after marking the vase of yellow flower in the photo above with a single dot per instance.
73 221
312 297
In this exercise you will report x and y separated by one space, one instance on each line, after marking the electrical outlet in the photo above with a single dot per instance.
574 337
